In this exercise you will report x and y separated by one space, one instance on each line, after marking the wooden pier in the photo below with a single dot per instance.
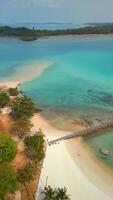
89 130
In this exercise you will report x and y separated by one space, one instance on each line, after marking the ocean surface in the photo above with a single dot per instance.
77 85
47 26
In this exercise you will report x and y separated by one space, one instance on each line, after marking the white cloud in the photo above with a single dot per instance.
39 3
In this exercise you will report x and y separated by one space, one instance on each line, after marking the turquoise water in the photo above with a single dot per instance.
103 140
79 83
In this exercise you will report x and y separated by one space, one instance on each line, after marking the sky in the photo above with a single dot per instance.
75 11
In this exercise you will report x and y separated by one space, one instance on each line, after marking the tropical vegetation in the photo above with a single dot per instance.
13 91
8 148
21 128
55 194
24 175
23 108
8 182
11 175
34 146
4 99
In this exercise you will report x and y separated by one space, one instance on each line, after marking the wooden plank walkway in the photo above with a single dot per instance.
83 132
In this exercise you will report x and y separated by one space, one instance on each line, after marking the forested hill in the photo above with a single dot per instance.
32 34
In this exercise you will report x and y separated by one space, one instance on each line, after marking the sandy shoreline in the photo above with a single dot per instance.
95 171
84 164
68 163
81 36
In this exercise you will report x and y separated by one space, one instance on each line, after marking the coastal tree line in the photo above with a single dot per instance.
33 34
22 109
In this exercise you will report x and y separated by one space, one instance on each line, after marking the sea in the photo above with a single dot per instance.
78 85
46 26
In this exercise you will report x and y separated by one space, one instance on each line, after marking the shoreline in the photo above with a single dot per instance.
68 36
95 171
79 36
68 151
88 166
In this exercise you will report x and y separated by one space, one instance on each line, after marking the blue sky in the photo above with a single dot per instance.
77 11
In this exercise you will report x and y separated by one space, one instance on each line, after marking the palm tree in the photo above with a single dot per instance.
61 194
49 193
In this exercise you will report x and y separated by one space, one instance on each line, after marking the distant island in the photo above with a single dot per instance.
28 34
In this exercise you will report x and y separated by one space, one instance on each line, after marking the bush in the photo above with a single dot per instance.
22 128
8 148
4 99
25 174
23 108
34 146
8 181
13 91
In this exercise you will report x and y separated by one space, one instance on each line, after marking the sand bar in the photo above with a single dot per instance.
25 73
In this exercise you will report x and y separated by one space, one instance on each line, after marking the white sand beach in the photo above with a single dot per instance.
62 167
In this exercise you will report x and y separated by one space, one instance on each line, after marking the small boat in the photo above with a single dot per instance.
104 152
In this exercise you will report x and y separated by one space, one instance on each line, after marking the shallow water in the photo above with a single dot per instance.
79 83
102 140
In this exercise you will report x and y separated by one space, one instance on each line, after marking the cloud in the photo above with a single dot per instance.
38 3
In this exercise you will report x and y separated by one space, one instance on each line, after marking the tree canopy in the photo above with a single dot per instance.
8 148
23 108
4 99
21 128
49 193
13 91
34 146
24 175
8 183
55 194
61 194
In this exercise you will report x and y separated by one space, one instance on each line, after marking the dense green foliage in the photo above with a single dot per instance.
21 128
8 148
8 181
55 194
4 99
25 174
34 146
49 193
32 34
61 194
13 91
20 32
23 108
